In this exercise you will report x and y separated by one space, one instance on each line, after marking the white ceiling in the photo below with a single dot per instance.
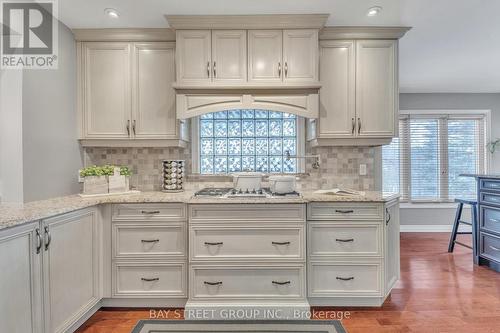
454 45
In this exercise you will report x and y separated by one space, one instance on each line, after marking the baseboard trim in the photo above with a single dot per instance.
428 228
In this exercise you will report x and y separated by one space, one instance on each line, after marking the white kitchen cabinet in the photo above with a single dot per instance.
359 93
20 290
153 98
337 115
194 58
300 55
106 84
126 96
392 250
265 56
71 268
376 88
229 56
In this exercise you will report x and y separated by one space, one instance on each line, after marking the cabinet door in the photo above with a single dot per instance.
376 87
107 93
20 280
300 55
193 53
337 114
265 57
71 269
229 56
391 251
153 115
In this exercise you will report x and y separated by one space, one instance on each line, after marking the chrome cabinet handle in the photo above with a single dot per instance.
494 220
494 248
149 212
218 283
133 126
150 240
286 69
38 241
345 279
388 219
208 68
280 243
344 240
344 211
150 279
281 283
353 121
215 72
214 243
49 238
128 127
279 69
359 125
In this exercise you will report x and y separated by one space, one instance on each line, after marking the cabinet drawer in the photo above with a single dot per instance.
149 240
490 247
149 212
318 211
253 242
490 198
489 184
344 279
340 240
490 219
247 213
247 282
150 280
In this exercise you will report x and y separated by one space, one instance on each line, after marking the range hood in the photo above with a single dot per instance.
303 100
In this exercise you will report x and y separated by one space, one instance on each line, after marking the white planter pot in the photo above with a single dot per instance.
95 185
119 184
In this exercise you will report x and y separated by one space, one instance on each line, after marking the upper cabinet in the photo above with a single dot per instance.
376 87
221 57
205 56
126 96
229 56
265 56
300 55
359 93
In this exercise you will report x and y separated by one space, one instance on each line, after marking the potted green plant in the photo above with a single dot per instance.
95 179
119 181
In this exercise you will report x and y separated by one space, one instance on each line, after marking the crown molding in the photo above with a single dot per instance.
280 21
124 35
370 32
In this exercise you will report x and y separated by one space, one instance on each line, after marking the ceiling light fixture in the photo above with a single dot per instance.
373 11
111 12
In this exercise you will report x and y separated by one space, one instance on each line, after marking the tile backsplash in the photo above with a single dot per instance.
339 166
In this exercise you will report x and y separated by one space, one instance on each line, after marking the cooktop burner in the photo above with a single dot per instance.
225 192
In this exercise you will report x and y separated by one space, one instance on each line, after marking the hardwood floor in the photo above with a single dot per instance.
438 292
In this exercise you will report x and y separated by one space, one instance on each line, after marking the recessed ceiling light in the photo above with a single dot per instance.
373 11
111 12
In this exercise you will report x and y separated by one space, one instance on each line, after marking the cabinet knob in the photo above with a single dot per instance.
280 243
49 238
208 68
353 121
359 125
279 69
218 283
345 278
344 240
214 243
281 283
150 279
215 72
286 69
39 241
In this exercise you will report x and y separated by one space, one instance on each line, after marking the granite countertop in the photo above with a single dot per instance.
481 175
16 214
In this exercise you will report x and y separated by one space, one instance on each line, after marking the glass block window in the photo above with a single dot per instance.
247 140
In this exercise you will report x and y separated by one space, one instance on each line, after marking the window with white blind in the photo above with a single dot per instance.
432 150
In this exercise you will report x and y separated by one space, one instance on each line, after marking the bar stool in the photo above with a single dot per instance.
458 221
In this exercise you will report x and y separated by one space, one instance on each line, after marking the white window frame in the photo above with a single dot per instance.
451 113
195 147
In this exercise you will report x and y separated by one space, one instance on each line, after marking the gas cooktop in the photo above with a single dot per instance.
226 192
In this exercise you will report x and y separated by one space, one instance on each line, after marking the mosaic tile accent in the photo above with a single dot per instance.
339 166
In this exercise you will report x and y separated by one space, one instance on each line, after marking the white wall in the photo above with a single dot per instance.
438 218
51 153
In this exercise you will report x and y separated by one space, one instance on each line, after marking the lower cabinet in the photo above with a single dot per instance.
20 280
71 268
50 273
353 253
